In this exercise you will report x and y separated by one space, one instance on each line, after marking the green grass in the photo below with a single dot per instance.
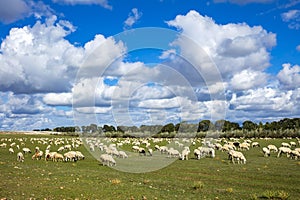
207 178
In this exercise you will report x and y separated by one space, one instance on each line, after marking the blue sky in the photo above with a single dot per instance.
76 62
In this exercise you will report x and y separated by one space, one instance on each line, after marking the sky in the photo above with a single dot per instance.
77 62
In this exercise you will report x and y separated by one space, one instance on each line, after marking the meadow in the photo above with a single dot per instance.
207 178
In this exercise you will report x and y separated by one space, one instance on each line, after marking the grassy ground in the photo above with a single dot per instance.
260 178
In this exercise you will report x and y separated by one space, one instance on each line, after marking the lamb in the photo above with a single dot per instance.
11 150
197 154
20 157
107 160
26 150
266 151
272 147
285 150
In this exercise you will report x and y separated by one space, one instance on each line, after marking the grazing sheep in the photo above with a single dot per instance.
107 160
37 155
295 154
11 150
206 151
57 157
266 151
122 154
236 155
163 149
218 146
50 155
255 144
285 150
244 146
142 151
70 156
135 148
173 153
79 155
20 157
272 147
3 145
284 144
26 150
197 153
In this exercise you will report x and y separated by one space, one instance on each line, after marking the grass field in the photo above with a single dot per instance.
208 178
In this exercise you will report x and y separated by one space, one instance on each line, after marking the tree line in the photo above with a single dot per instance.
283 128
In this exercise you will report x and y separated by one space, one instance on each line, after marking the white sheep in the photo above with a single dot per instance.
272 147
285 150
236 155
284 144
173 153
244 146
206 151
70 156
293 144
197 153
20 157
11 150
150 151
266 151
57 157
79 155
107 160
122 154
26 150
295 154
185 153
50 155
255 144
3 145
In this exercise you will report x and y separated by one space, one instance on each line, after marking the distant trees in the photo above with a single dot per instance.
283 128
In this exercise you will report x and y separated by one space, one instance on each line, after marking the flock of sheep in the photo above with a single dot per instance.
111 149
65 148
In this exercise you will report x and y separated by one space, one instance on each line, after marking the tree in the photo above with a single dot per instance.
205 125
249 125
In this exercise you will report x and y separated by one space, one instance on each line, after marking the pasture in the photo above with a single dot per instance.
208 178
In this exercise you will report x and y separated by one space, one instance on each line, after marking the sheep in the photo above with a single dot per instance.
206 151
173 153
50 155
185 153
236 155
57 157
37 155
284 144
285 150
79 155
218 146
272 147
142 151
295 154
70 156
20 157
107 160
26 150
293 144
163 149
197 153
3 145
122 154
255 144
150 151
244 146
266 151
60 149
11 150
135 148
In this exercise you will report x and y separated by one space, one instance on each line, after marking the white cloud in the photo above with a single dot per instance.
58 99
38 58
247 79
298 48
133 17
222 50
289 76
290 15
103 3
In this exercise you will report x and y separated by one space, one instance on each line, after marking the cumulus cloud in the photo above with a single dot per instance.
133 17
58 99
232 48
289 76
103 3
13 10
248 79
